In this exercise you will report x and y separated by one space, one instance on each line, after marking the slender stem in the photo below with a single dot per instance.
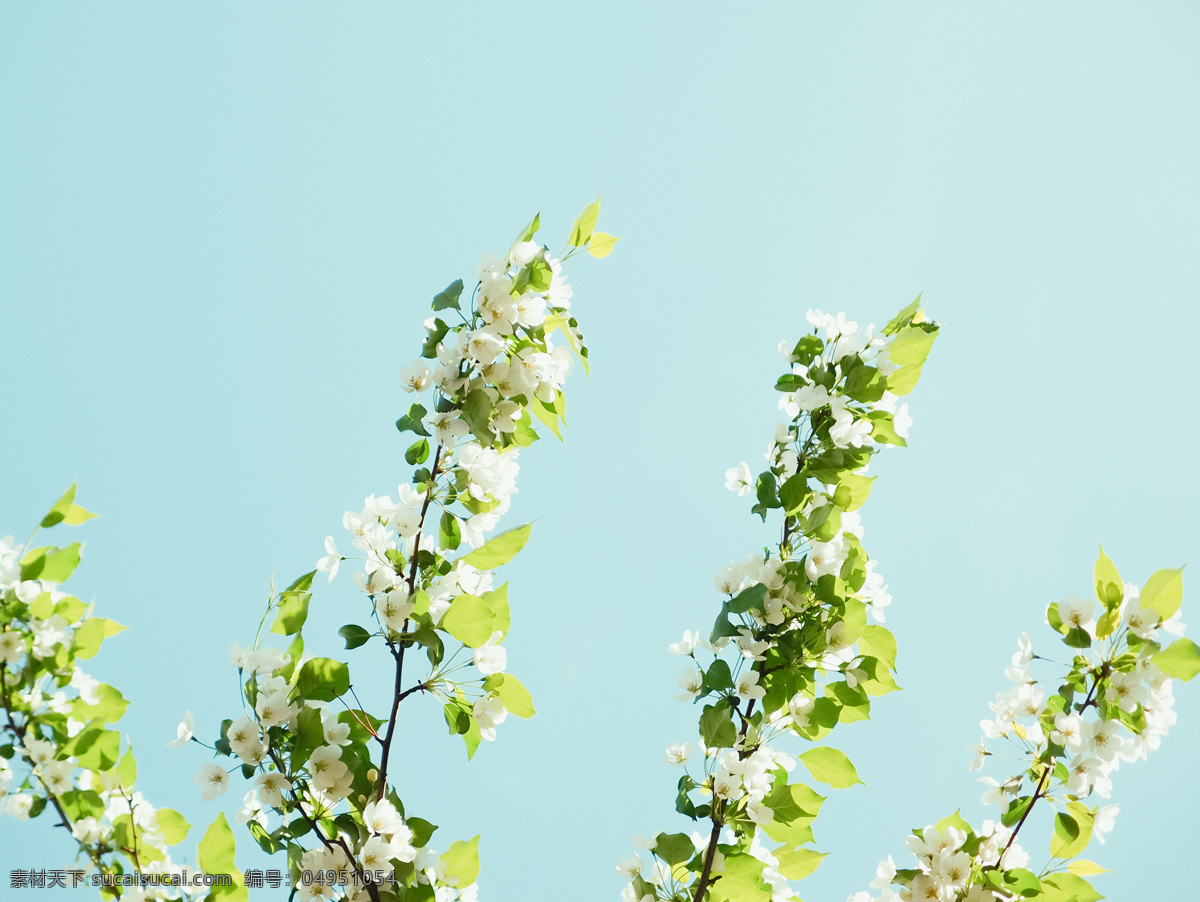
718 821
316 828
133 832
709 855
1021 823
420 687
1090 701
398 694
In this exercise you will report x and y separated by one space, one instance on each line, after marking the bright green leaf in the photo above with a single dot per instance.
601 244
830 766
172 825
323 679
1110 589
585 224
796 864
1180 659
469 620
499 550
461 862
214 854
1163 592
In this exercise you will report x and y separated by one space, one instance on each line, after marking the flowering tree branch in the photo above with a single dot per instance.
58 726
804 657
1123 668
485 381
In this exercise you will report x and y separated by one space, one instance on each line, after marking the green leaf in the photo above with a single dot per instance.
411 421
126 769
866 384
1022 881
830 766
796 864
1180 659
91 633
585 224
1077 637
878 642
718 677
1071 888
1066 831
955 820
449 532
1082 867
741 881
674 848
172 825
1110 588
418 452
448 297
293 612
354 635
908 350
76 515
1072 831
500 550
884 430
903 318
766 490
601 244
323 679
716 726
794 807
94 746
433 337
110 706
469 620
79 803
302 583
310 734
858 488
515 696
265 840
1163 592
531 229
51 564
214 854
457 716
794 493
497 601
65 511
477 410
461 863
547 415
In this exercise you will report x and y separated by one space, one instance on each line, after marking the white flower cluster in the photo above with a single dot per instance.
944 868
1097 746
850 429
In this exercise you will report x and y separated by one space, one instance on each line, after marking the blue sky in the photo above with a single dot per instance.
221 225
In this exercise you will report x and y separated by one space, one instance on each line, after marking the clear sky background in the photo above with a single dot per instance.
220 228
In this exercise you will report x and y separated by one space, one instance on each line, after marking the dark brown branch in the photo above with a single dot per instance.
398 650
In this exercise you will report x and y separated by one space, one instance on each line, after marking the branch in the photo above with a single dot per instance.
717 821
1021 823
709 855
18 731
398 694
